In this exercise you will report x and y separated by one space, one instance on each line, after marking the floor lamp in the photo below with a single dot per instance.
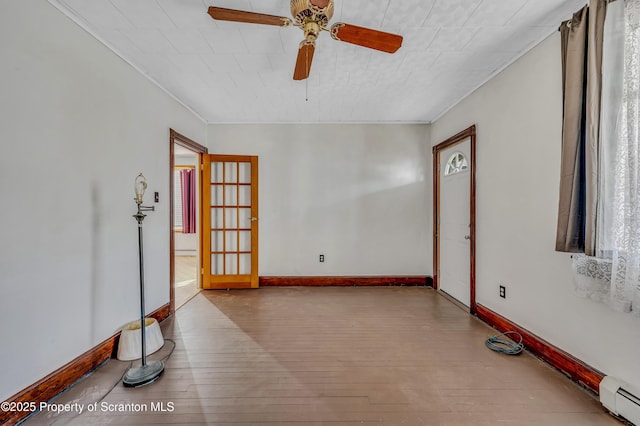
149 371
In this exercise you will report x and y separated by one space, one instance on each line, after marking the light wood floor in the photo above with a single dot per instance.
186 279
354 355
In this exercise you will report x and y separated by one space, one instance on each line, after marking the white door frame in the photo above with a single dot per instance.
468 133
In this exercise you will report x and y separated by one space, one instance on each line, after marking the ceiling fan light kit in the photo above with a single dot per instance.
304 11
313 16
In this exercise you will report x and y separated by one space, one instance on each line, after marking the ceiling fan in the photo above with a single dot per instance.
313 16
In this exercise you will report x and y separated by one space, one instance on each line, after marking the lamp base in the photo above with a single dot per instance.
143 375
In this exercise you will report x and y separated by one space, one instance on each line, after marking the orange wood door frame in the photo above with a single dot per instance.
468 133
185 142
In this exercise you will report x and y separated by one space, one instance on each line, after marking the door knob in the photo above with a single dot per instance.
253 219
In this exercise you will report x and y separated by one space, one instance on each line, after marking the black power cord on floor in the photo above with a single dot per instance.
509 347
66 419
166 357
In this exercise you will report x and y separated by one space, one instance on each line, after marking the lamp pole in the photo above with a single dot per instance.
146 372
140 217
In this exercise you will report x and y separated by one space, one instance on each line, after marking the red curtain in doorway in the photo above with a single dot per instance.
188 188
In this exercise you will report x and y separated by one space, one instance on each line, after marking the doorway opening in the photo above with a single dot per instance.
454 217
185 239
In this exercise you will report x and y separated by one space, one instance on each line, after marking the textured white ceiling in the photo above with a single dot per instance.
229 72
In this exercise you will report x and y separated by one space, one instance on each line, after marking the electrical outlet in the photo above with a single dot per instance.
503 292
322 258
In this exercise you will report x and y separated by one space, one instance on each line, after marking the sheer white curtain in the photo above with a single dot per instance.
614 276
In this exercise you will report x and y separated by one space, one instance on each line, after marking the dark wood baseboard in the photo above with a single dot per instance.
59 380
348 281
160 314
574 368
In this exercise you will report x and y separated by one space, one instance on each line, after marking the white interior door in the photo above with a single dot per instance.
455 221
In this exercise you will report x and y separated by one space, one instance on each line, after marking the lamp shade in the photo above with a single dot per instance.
130 343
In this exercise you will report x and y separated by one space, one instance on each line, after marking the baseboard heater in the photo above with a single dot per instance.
617 397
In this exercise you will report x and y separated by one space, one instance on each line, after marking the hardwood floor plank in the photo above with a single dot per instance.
332 356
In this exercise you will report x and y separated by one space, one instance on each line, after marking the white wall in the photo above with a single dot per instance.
519 115
78 124
359 194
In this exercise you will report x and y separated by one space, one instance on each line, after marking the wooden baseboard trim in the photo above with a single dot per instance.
161 313
56 382
347 281
50 386
574 368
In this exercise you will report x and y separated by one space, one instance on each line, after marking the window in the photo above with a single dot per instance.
613 274
457 163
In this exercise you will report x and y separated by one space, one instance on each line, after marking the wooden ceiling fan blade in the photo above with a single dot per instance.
222 14
303 63
373 39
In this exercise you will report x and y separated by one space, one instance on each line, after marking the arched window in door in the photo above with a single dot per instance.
457 163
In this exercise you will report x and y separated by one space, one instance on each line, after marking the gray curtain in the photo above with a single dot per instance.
571 211
597 15
581 43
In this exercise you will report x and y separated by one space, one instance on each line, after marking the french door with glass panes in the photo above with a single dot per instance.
230 221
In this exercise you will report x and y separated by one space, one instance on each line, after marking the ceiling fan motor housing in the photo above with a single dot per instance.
305 11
